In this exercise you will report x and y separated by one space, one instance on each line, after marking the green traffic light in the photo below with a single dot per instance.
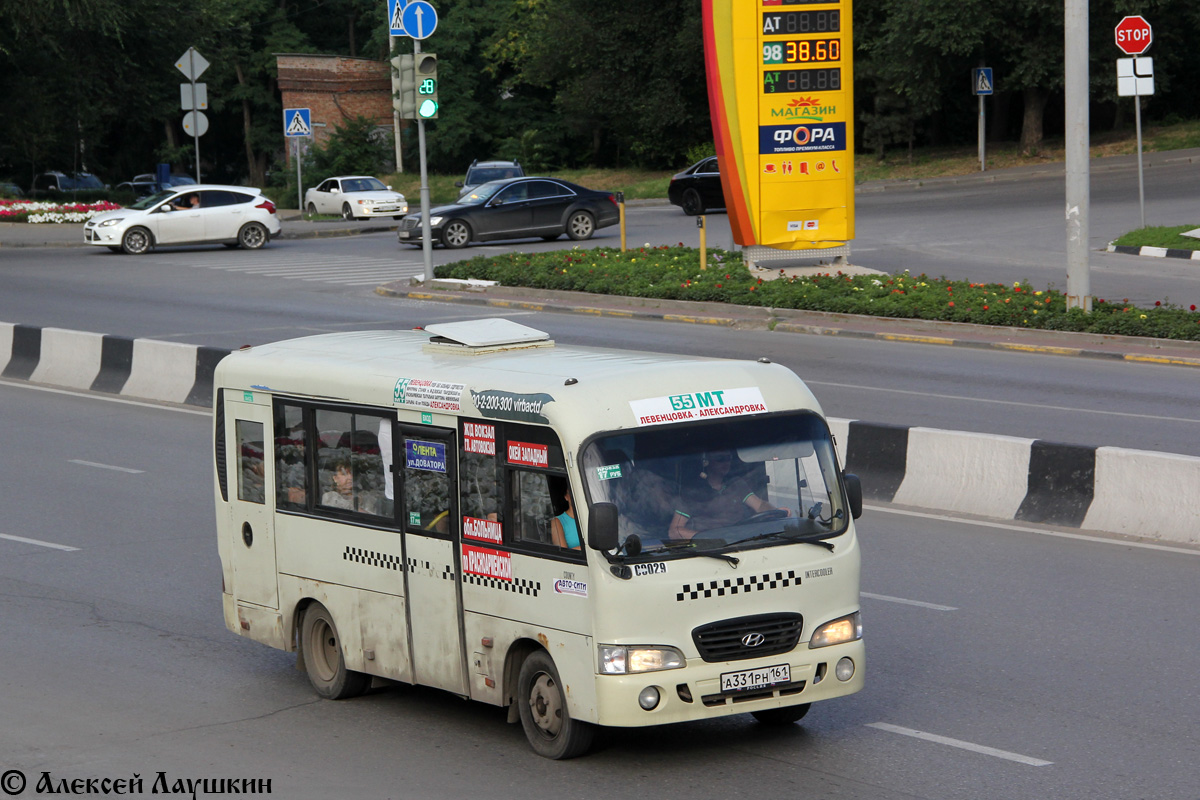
428 109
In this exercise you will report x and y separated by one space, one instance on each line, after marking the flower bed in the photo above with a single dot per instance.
35 212
674 273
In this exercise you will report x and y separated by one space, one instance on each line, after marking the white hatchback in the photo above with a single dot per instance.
236 216
355 197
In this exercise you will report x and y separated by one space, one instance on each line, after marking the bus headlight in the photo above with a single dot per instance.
626 660
839 631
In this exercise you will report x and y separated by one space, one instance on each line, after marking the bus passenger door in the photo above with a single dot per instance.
425 463
251 471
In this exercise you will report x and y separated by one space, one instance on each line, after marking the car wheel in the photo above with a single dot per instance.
323 661
581 226
544 716
692 204
456 234
136 241
252 236
312 209
347 212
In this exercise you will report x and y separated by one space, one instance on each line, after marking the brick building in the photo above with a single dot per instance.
336 89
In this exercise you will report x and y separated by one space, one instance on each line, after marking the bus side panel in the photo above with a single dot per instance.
334 552
263 625
538 599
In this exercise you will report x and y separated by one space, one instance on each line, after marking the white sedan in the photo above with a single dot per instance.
355 197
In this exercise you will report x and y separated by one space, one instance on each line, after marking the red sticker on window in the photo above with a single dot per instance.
486 529
489 563
529 455
479 438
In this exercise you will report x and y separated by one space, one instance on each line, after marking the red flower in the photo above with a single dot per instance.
951 304
985 308
1157 303
1193 307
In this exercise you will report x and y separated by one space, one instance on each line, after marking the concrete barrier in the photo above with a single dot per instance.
1107 489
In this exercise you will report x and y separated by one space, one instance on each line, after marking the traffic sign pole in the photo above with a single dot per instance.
426 242
1078 183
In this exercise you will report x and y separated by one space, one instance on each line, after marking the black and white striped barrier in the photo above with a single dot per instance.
1110 489
143 368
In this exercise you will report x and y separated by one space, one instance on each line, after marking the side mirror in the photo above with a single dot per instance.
853 493
167 207
602 526
389 187
333 190
459 184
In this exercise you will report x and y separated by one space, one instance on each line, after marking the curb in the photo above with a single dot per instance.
1155 252
1001 477
949 334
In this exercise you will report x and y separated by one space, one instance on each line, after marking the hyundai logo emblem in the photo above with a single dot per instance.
753 639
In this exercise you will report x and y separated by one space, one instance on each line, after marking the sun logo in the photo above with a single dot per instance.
803 102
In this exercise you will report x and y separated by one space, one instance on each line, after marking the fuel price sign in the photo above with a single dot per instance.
780 78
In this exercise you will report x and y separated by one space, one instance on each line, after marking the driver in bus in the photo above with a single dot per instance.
716 501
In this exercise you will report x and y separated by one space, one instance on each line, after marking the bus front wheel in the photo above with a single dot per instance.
544 716
323 660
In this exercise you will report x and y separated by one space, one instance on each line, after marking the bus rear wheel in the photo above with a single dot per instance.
544 716
323 660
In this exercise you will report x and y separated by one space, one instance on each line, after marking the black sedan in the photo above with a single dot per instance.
516 208
697 188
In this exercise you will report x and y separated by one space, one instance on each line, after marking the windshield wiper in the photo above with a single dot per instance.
791 537
690 545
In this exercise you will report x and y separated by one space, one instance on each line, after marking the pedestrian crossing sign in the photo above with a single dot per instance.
297 122
981 80
395 18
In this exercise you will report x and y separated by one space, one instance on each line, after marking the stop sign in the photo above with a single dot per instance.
1134 35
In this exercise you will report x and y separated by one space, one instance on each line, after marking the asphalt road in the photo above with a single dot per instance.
1003 662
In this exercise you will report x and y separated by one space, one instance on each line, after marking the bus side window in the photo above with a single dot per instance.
481 496
349 463
426 486
290 445
250 461
532 506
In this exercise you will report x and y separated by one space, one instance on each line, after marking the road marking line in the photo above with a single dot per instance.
959 743
891 599
106 466
105 398
38 542
1040 531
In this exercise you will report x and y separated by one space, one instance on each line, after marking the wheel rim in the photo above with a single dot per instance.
456 234
137 241
324 650
581 225
691 202
346 212
312 210
545 705
252 236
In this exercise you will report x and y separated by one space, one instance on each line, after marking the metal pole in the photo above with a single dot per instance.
1137 105
982 137
195 115
299 185
1079 289
395 113
426 241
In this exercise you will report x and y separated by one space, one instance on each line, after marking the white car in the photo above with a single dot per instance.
355 197
235 216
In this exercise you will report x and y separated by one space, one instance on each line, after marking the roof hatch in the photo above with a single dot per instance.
483 335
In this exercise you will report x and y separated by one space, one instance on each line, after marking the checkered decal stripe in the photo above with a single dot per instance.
447 570
371 558
516 585
731 586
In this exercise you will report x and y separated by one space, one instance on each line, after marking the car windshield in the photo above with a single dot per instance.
484 174
364 185
481 194
757 481
152 201
181 180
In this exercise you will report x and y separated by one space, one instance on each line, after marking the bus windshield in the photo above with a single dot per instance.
762 480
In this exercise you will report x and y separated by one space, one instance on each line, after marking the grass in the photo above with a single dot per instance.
1159 236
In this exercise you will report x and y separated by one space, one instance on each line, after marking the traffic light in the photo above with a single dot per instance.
405 100
427 86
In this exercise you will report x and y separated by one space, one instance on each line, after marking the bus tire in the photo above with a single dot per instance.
548 725
323 660
781 716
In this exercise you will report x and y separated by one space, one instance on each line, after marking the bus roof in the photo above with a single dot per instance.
476 370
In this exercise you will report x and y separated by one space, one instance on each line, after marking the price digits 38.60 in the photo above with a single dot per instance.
805 51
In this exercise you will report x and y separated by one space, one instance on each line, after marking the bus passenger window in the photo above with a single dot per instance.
480 480
290 477
426 486
250 461
532 506
349 463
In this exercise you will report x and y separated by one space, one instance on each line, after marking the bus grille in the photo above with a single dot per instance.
730 639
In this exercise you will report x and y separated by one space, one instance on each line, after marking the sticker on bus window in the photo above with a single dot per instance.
486 562
428 456
507 405
437 395
609 472
488 530
699 405
479 439
529 455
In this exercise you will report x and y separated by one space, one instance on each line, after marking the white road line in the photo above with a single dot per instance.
959 743
107 399
1166 548
38 542
106 466
919 603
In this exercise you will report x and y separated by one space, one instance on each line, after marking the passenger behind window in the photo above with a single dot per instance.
564 530
342 494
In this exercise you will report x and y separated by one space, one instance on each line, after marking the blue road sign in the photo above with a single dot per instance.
420 20
297 122
981 80
395 21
